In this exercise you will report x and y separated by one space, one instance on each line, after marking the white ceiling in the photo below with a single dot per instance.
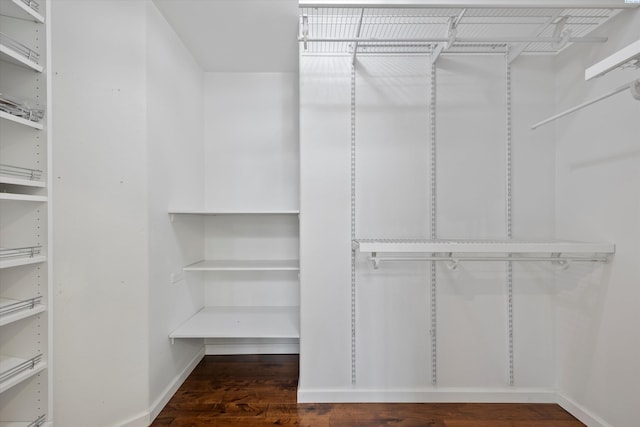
237 35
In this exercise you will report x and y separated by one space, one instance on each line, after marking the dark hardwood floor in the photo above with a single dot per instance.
260 390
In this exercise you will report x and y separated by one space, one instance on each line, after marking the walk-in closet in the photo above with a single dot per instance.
425 201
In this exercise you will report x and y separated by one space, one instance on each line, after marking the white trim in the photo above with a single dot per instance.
213 348
614 4
173 387
141 420
427 395
580 412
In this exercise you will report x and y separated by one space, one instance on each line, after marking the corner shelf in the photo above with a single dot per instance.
20 120
14 370
241 322
244 265
21 10
12 310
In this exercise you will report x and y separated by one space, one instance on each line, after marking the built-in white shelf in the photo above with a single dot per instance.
14 257
9 55
454 251
12 310
20 120
40 422
22 197
241 322
20 9
14 370
233 212
244 265
12 180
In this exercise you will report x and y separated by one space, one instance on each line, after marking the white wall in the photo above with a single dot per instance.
174 96
598 168
392 185
100 205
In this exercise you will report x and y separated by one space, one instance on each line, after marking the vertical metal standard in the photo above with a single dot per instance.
353 223
509 217
433 279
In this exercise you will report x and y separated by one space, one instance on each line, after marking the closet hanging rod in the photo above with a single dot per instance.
563 261
459 40
634 88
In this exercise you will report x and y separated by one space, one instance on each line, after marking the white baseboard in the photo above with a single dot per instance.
171 389
141 420
580 412
250 347
427 395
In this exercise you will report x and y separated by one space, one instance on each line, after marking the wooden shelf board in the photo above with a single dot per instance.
19 314
20 120
244 265
241 322
232 212
6 362
22 197
4 179
18 261
17 9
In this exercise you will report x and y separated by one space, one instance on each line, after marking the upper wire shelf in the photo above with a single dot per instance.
544 30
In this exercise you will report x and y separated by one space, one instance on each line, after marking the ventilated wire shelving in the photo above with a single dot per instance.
424 30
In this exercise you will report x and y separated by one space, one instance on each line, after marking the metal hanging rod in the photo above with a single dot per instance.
634 88
562 261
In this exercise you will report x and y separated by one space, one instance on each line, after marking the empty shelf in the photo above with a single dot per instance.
244 265
22 9
17 175
22 197
232 212
14 370
13 310
10 55
241 322
13 257
20 120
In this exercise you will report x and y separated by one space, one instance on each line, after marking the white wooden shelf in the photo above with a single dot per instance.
22 197
9 55
244 265
14 370
241 322
21 10
14 257
20 120
207 212
22 181
13 310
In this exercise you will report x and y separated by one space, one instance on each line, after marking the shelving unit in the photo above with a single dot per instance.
240 322
25 318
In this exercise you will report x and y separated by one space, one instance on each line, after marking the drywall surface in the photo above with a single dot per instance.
597 198
251 141
175 128
100 204
393 353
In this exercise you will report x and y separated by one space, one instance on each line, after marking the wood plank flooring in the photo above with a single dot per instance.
260 390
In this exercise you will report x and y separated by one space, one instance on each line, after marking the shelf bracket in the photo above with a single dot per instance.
305 29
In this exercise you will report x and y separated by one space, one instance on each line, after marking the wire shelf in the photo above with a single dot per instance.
341 30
